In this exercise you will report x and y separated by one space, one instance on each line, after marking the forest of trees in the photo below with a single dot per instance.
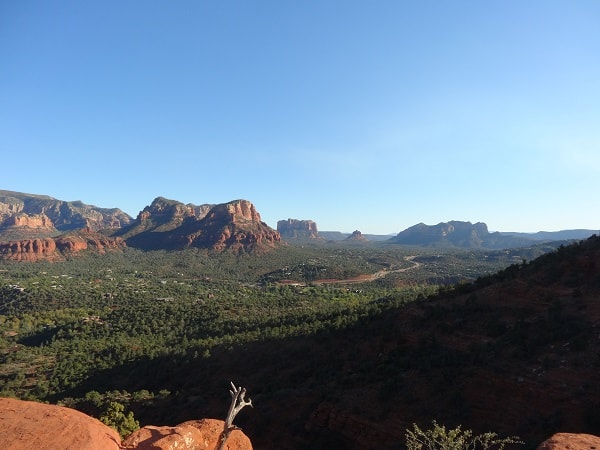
60 323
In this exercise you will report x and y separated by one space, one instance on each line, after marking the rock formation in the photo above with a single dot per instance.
58 248
235 225
195 434
357 236
457 234
30 425
42 211
571 441
291 229
168 224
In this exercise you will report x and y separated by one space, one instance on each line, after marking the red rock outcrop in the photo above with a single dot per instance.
357 236
57 248
571 441
168 224
31 425
164 211
298 229
235 226
202 434
29 221
28 425
29 249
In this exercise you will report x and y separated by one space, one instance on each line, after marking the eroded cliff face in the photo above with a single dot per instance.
298 229
54 249
29 250
234 226
35 211
33 221
168 224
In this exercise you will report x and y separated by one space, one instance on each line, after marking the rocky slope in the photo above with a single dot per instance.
30 425
168 224
27 213
516 353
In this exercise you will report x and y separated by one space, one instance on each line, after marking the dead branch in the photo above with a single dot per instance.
238 402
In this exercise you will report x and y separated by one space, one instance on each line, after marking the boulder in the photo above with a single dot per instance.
193 435
30 425
571 441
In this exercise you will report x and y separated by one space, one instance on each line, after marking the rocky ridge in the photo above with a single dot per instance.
457 234
168 224
28 212
34 227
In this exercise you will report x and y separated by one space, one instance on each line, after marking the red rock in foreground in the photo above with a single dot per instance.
193 435
571 441
32 425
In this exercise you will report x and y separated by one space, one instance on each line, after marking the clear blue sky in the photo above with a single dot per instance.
368 115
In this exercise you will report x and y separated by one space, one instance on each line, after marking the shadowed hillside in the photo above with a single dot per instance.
517 353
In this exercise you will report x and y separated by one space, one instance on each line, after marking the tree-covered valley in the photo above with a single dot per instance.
314 332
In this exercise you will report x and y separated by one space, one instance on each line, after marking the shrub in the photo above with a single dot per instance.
116 418
438 438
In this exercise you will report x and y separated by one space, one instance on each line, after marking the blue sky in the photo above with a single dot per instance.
358 115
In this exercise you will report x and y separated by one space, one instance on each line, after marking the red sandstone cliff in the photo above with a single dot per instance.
168 224
298 229
53 249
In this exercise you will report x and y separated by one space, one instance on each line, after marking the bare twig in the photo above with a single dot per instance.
238 402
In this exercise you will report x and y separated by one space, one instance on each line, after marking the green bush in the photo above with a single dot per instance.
115 418
438 438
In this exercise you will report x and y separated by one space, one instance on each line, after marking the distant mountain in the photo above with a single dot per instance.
357 236
169 224
458 234
562 235
25 216
468 235
295 229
